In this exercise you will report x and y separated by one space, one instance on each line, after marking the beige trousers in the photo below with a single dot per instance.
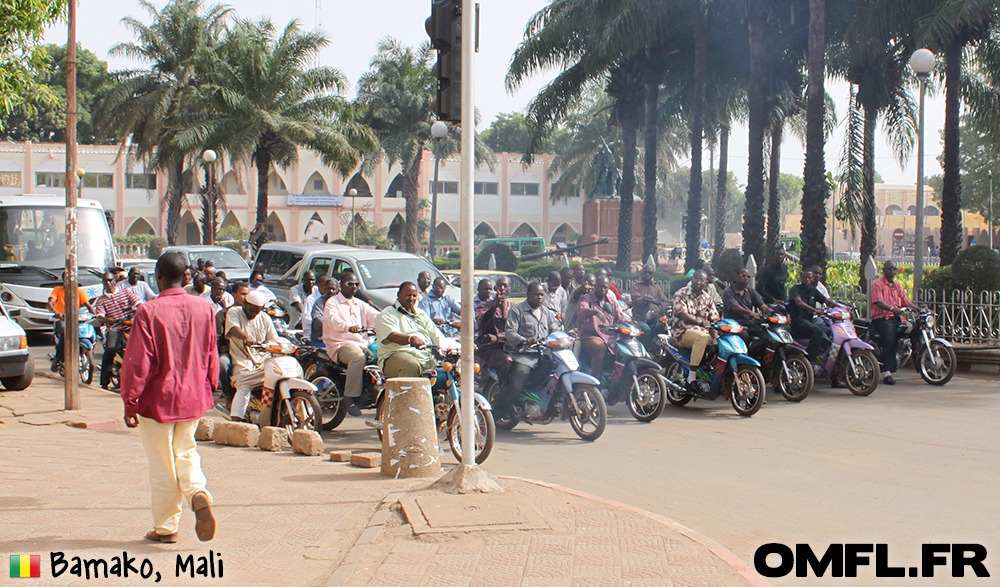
697 341
174 469
355 359
244 382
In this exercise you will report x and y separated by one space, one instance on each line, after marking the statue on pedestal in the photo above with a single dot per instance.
605 174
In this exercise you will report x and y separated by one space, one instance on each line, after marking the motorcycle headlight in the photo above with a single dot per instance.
786 336
931 320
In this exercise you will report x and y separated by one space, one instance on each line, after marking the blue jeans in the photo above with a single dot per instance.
819 341
225 368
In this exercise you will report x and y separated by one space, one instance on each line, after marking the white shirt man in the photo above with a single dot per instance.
343 319
242 330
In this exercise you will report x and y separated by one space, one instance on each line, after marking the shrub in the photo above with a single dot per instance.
506 261
233 231
446 263
977 268
456 254
231 244
531 249
941 279
534 271
156 246
728 266
339 241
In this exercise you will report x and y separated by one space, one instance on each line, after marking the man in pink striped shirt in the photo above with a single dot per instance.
169 373
888 300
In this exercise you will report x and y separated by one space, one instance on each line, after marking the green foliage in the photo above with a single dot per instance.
506 261
510 133
132 239
233 231
979 159
536 270
673 196
22 59
940 280
977 268
532 249
339 241
369 234
729 264
156 246
44 121
446 263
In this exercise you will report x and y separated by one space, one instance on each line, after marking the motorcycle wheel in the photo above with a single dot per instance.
798 386
336 413
675 374
589 423
305 413
747 387
937 375
485 433
867 365
116 376
378 413
490 391
648 400
86 366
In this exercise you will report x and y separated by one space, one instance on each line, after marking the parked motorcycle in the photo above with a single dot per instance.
849 359
284 388
935 357
635 375
87 339
330 379
556 389
725 369
783 361
447 404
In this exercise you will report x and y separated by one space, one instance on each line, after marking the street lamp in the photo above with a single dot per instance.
209 157
354 221
922 63
80 172
439 130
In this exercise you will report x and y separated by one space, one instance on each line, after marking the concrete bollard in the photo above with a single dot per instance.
409 438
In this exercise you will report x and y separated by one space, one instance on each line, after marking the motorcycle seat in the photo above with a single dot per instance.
862 324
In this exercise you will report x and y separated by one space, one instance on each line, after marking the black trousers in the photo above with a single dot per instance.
819 341
886 329
58 330
112 340
517 379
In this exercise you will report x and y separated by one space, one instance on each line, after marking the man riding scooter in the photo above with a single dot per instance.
888 300
344 317
527 323
247 327
808 321
403 330
595 309
694 313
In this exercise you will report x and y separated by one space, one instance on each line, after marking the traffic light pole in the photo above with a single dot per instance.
467 237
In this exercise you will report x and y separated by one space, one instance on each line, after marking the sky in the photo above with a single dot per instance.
355 28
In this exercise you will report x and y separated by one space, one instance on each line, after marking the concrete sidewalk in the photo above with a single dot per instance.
286 519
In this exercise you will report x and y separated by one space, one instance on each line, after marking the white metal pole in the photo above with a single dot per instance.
918 248
468 217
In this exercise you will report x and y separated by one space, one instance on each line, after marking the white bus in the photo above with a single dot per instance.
33 252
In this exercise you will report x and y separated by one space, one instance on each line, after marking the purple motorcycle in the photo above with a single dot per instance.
849 359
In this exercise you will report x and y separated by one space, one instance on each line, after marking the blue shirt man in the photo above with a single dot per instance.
440 307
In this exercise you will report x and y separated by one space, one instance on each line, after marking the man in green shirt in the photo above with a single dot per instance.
403 330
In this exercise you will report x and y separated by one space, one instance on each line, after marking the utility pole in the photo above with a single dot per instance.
71 332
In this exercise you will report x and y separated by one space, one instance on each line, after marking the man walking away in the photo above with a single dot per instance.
170 372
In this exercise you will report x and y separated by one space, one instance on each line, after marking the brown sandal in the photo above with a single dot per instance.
204 525
164 538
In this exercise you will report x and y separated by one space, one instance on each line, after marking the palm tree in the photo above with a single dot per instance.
142 109
814 191
264 103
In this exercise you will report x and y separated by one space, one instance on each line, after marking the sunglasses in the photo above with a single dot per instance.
351 283
112 280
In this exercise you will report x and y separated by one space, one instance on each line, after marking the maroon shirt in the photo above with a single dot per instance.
171 364
609 315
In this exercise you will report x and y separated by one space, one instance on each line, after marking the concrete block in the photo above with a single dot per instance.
273 439
236 434
307 442
340 456
206 429
367 460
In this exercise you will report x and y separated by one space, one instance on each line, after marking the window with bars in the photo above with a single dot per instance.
524 189
140 181
489 188
444 187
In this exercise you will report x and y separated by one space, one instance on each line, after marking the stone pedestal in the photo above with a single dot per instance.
409 433
600 220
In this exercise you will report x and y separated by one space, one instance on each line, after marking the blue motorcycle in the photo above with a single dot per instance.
726 369
87 336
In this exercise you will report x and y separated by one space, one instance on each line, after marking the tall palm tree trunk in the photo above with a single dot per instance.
262 159
629 128
753 217
868 227
814 190
692 239
175 196
720 192
773 202
649 168
951 191
411 179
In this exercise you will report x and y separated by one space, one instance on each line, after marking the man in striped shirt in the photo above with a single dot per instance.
111 307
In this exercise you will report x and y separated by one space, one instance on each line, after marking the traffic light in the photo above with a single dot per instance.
445 30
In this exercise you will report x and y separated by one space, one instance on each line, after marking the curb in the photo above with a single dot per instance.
741 568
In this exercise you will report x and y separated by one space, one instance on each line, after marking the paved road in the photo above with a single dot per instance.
910 464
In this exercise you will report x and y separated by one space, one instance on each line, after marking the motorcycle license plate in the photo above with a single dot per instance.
567 357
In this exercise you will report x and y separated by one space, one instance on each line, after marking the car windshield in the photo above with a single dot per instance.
382 273
37 236
220 259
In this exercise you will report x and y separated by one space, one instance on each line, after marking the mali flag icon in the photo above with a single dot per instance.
25 565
